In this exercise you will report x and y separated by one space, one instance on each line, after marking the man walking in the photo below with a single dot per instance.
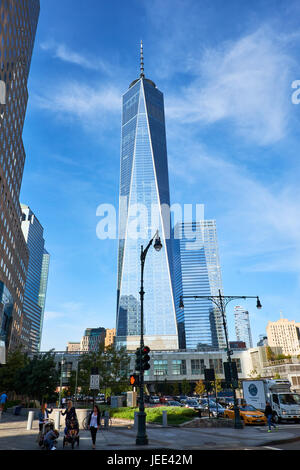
269 416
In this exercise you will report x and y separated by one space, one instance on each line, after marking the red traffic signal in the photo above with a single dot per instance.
145 358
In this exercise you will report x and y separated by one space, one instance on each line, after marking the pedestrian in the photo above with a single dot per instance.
269 416
3 400
63 402
94 424
70 413
50 438
44 415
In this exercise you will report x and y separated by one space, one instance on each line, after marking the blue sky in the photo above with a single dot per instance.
233 134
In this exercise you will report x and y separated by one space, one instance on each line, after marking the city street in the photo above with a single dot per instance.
14 436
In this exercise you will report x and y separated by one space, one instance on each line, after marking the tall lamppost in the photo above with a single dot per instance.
221 302
141 438
61 376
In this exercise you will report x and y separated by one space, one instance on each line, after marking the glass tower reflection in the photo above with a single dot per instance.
197 271
144 190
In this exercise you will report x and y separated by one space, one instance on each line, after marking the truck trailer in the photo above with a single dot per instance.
285 404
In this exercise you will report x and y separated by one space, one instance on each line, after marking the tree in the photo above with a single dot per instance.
270 354
217 384
39 378
200 387
175 389
16 361
113 367
185 387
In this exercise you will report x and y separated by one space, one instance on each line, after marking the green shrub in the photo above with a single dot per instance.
176 415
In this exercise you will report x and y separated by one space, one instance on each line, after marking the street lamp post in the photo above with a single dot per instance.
221 302
141 438
61 374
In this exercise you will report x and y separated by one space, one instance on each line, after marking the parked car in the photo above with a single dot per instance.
165 399
192 403
225 401
215 409
154 400
173 403
249 414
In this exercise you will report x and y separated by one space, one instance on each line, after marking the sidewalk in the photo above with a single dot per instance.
13 435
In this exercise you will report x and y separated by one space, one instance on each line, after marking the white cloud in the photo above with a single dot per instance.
246 81
259 223
91 105
64 53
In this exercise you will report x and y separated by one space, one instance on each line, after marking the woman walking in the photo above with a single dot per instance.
70 413
94 424
269 416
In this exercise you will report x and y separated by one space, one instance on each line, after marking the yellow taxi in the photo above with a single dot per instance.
249 414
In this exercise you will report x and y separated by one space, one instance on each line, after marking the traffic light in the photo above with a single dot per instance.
138 359
134 380
145 358
231 374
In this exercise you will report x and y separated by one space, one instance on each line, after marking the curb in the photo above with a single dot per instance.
281 441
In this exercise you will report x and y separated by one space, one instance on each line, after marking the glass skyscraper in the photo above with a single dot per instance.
18 22
197 272
32 308
43 289
242 326
144 185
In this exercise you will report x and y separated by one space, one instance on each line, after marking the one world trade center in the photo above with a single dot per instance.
144 191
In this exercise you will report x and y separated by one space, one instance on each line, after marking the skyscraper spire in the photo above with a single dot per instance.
142 75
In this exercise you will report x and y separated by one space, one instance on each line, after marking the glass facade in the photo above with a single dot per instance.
144 186
18 22
242 326
32 311
179 367
197 272
6 310
43 289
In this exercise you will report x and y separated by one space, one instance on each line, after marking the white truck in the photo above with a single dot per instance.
285 404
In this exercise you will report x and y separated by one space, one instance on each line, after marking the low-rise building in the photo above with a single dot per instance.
110 334
73 347
92 339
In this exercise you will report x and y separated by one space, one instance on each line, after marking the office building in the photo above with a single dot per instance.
32 305
43 289
285 334
92 339
110 335
242 326
197 271
73 347
17 33
144 183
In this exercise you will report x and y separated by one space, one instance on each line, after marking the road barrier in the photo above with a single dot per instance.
30 420
165 418
106 420
57 420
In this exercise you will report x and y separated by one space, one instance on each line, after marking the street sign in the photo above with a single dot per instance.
94 382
